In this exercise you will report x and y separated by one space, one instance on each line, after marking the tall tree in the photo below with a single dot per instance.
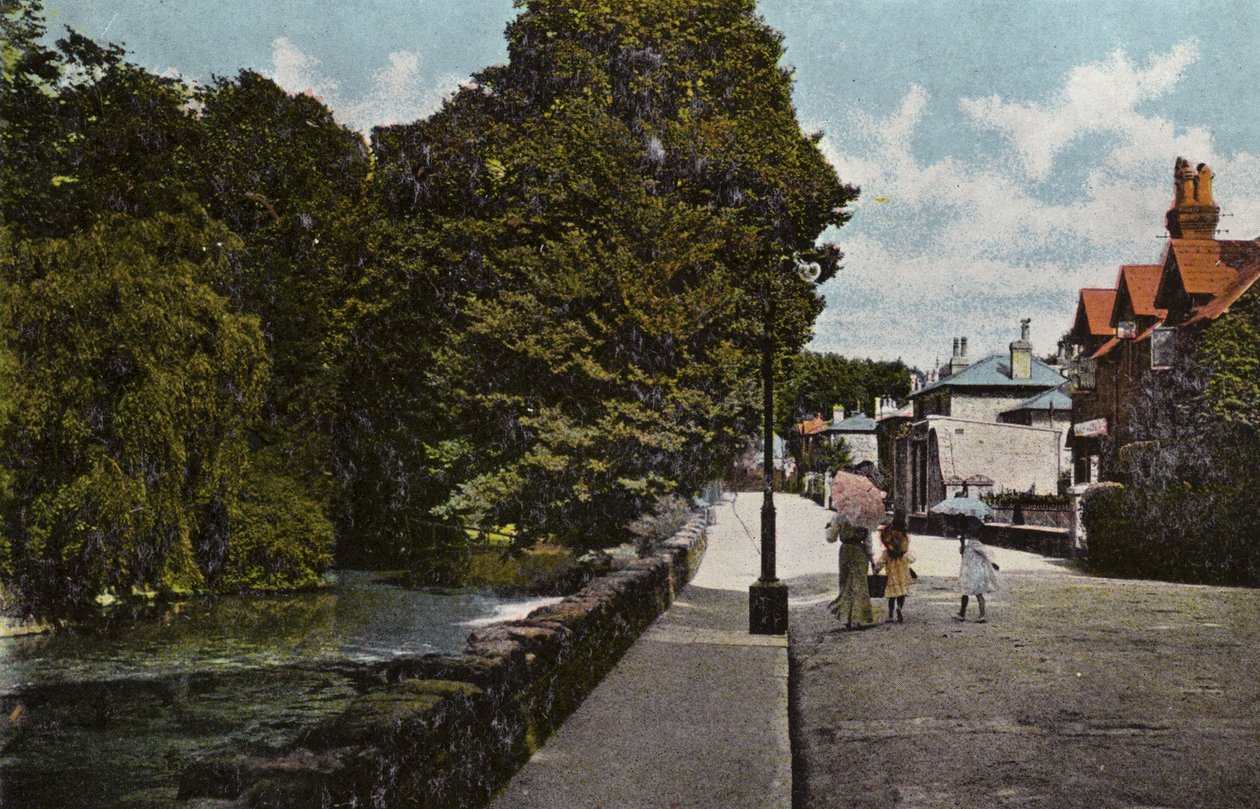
606 220
292 183
816 382
131 485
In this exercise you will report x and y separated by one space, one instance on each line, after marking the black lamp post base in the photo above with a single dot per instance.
768 608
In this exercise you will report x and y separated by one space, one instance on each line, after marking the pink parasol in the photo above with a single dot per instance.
856 500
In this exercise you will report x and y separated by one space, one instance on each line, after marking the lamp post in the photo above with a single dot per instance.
768 597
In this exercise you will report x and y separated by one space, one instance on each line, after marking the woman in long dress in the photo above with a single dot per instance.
853 604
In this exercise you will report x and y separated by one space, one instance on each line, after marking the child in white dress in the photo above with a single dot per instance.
978 572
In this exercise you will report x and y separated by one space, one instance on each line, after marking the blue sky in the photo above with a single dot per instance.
1024 150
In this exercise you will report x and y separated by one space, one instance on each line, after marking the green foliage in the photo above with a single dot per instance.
591 235
282 538
149 342
135 387
666 518
89 135
830 456
817 382
1188 511
292 183
1230 350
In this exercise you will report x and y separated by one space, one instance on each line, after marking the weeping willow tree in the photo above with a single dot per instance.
167 358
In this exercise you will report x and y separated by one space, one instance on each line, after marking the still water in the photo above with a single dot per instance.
109 719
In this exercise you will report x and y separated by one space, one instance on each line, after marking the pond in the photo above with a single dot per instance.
108 719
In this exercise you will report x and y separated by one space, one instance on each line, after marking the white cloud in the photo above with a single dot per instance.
398 92
956 247
399 95
1100 97
298 72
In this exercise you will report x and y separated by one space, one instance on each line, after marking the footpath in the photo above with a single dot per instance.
695 715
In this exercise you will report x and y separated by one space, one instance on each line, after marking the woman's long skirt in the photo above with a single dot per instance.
853 605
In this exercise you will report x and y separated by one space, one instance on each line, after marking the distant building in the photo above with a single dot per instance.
808 438
983 427
858 433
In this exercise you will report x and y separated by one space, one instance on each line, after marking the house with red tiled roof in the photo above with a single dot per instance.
1092 325
1196 271
808 437
1136 286
1154 309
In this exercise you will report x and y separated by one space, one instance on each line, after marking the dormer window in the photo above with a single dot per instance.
1163 347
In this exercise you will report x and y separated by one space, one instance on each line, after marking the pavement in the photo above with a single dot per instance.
1077 692
695 715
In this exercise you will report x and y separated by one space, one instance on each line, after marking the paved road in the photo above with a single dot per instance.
1078 692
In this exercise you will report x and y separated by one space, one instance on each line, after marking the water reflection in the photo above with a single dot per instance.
108 719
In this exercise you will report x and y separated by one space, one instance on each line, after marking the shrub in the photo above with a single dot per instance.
281 538
667 517
1112 537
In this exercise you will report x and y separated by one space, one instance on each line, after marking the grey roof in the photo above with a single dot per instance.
859 423
1054 399
995 371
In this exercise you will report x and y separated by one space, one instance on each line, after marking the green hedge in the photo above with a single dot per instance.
1179 533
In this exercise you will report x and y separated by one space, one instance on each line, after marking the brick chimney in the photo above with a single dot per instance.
1021 353
1193 214
959 361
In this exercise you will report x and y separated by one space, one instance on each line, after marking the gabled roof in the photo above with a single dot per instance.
1054 399
1136 286
812 426
995 371
857 423
1219 305
1093 313
1202 266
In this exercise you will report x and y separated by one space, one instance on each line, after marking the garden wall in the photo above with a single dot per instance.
1042 539
1044 516
446 731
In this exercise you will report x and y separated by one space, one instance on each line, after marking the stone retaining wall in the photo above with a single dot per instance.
446 731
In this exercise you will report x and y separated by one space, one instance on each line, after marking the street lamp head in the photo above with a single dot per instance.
809 271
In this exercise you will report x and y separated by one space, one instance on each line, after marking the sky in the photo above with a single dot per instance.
1009 153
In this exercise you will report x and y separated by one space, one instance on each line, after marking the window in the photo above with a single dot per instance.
1081 373
1163 347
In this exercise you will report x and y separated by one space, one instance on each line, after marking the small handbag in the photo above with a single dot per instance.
875 584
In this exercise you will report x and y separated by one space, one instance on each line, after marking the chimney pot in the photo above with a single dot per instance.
1021 353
